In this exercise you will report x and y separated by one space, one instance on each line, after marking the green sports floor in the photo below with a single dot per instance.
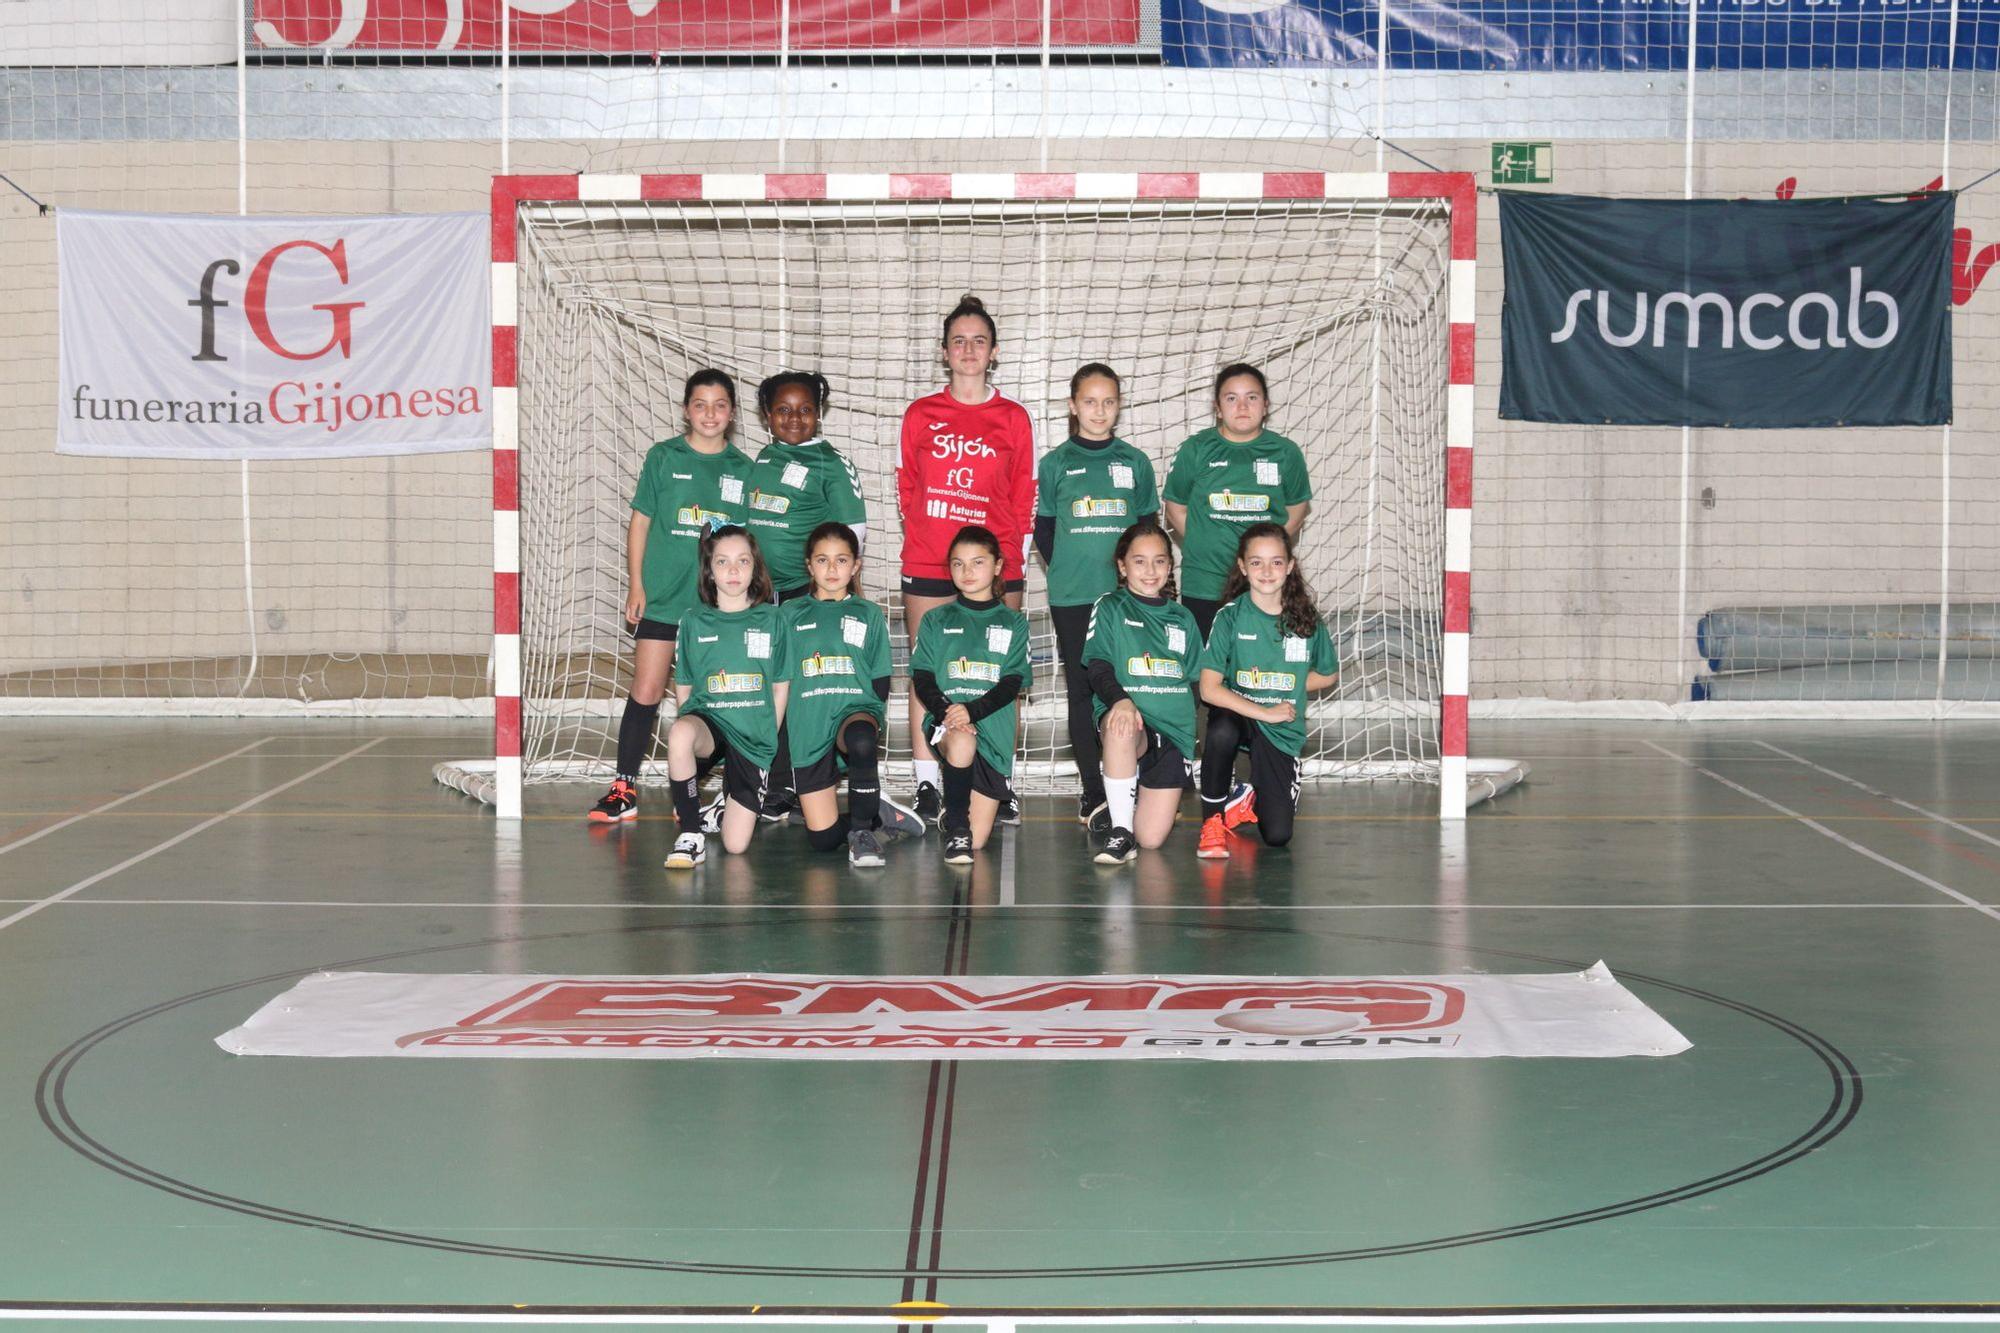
1817 908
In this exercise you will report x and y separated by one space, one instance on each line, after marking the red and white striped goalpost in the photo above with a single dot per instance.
1456 188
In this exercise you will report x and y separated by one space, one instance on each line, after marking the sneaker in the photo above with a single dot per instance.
958 849
1010 811
619 804
778 807
689 849
863 849
1119 847
929 803
899 821
1214 844
1093 815
711 814
1241 808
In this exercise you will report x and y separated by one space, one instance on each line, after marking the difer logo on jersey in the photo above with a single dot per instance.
1266 682
1231 502
964 668
735 682
823 664
1089 507
1156 667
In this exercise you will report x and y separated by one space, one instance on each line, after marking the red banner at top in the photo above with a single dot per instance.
678 26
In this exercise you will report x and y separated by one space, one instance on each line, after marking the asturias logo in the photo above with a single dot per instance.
1792 321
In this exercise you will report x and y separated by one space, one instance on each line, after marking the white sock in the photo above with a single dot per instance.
1122 796
927 771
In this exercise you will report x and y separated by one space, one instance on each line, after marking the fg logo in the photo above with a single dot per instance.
257 308
959 478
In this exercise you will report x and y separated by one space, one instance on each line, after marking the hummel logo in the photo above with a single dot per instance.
1220 462
683 476
1074 472
706 638
1249 638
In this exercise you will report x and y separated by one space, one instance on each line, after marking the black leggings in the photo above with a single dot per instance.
859 744
1274 775
1072 626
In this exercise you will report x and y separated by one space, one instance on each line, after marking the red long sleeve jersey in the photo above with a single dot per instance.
965 464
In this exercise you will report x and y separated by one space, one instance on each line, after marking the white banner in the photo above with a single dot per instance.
287 337
119 32
919 1018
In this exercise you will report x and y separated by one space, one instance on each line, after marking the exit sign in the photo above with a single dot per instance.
1523 164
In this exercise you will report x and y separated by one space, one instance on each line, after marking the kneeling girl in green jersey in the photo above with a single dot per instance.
1141 658
1267 650
837 667
968 667
730 692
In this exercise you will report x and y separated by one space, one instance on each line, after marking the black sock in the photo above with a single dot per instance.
957 796
635 738
687 804
864 781
830 838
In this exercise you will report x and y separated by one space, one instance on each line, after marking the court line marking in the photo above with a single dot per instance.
1633 817
1879 794
941 1318
129 796
178 838
484 906
1825 832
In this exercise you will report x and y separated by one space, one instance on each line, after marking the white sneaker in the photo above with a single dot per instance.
711 814
689 850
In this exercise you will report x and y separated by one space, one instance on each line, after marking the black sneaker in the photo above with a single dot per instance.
1010 811
929 803
863 848
619 804
958 849
778 807
899 821
1096 818
1119 847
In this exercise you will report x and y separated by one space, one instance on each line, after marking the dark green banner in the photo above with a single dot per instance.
1726 312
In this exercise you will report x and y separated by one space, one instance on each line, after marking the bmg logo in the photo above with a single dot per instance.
257 298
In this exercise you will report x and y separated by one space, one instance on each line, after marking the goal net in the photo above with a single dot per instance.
1345 303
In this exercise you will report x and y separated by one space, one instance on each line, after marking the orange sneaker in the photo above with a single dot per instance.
619 804
1242 807
1214 844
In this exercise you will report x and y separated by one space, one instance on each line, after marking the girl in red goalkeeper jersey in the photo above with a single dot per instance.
968 458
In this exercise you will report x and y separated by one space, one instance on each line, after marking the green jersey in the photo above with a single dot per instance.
1155 650
1227 487
733 660
680 490
835 652
793 489
1094 491
968 649
1257 659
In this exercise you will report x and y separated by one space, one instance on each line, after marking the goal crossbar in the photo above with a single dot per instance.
511 193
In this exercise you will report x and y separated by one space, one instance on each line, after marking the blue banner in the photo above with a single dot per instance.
1580 35
1745 313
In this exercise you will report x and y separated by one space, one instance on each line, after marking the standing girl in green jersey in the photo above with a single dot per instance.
969 665
837 667
797 483
730 691
1226 478
686 483
1089 490
1267 650
1141 656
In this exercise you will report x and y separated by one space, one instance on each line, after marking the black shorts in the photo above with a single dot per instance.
916 586
986 779
655 629
742 781
1163 767
825 771
1204 613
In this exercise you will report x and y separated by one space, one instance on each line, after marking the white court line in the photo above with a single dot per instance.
929 1320
131 796
1824 832
1879 794
479 906
178 838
